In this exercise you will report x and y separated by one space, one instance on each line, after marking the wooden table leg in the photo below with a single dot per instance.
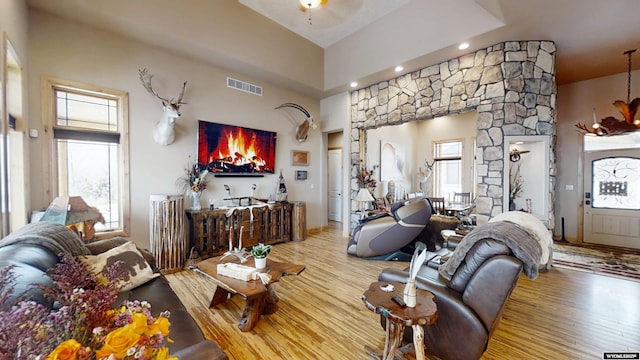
397 332
418 341
270 302
392 342
219 296
251 312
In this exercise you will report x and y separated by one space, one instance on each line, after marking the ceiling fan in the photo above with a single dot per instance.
311 4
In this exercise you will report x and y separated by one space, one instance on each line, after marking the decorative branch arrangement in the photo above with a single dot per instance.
365 178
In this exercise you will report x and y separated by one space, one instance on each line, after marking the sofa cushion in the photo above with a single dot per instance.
138 269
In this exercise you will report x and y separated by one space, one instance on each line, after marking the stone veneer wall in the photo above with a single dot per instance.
512 87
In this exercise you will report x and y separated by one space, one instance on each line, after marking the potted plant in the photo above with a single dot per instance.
260 253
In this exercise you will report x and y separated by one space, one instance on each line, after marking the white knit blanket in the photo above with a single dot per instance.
535 227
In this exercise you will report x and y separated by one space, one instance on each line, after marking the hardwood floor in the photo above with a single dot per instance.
564 314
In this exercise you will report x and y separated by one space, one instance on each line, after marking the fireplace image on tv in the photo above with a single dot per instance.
235 150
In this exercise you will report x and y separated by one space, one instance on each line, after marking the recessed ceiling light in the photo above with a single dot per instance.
353 84
463 46
399 68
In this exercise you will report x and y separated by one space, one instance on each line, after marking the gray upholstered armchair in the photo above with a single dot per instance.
383 236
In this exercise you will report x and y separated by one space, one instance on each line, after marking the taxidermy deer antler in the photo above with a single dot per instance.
303 129
163 132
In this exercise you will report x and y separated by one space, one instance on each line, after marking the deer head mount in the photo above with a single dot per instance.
163 132
302 131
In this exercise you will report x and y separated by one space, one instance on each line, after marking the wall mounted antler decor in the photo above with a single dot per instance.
302 131
629 110
163 132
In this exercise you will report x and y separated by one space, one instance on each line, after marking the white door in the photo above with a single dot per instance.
612 198
335 185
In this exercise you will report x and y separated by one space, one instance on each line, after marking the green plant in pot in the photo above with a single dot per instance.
260 253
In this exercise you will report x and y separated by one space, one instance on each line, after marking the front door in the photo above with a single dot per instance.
335 185
612 198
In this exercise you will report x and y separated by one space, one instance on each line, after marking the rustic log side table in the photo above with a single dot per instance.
260 298
398 317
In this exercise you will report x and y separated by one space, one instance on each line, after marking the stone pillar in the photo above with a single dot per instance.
511 85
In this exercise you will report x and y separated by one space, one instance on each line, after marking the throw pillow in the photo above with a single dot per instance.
137 269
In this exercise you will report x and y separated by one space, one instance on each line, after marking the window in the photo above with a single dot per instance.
448 168
90 156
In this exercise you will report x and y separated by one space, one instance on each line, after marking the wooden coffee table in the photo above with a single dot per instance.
260 298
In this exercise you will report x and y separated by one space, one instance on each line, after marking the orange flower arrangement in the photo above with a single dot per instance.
139 337
86 325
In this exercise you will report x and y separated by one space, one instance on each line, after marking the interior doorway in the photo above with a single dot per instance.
334 177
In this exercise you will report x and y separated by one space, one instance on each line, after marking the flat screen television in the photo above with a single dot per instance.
236 150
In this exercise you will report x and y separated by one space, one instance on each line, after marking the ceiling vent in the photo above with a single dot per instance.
244 86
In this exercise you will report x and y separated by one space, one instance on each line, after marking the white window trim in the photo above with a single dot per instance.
462 158
49 117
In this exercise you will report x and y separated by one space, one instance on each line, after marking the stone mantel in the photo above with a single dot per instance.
511 85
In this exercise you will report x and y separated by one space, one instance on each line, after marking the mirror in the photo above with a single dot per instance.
526 175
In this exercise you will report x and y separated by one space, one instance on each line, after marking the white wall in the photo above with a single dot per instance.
13 95
575 104
454 127
373 48
404 136
70 51
335 116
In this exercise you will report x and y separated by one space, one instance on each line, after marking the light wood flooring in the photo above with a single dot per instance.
564 314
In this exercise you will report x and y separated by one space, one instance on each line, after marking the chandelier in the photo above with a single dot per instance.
610 125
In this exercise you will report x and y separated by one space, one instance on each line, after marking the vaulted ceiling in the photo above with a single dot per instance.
320 51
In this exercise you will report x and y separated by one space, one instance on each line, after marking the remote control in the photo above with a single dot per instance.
398 298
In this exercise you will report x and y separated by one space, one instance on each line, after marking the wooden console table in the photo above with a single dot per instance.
208 230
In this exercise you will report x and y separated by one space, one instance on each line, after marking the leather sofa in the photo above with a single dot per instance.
383 236
470 304
31 257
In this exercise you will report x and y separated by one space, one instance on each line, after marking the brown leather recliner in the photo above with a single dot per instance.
470 305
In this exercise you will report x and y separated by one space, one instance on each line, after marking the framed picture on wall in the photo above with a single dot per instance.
301 174
299 157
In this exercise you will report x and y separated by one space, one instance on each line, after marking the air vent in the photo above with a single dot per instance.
244 86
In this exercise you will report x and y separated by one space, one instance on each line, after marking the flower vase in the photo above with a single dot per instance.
409 293
512 205
195 200
261 263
